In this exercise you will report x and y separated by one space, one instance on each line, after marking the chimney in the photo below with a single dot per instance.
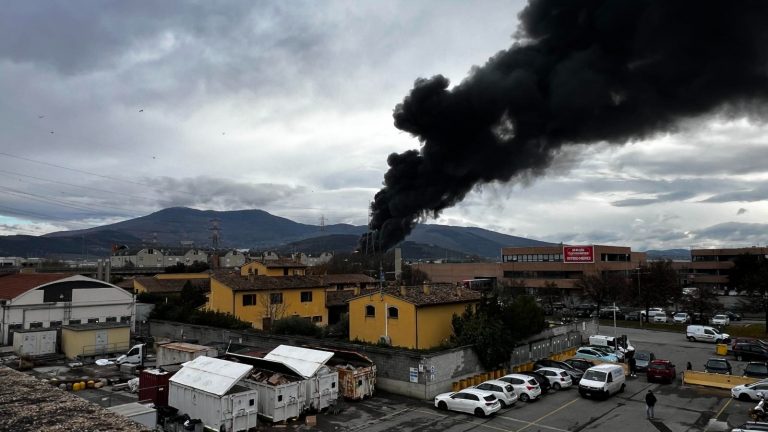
403 291
398 264
357 290
426 288
250 274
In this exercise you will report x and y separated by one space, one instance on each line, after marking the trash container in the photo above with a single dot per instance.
722 349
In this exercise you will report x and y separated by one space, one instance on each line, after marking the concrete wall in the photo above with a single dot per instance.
435 372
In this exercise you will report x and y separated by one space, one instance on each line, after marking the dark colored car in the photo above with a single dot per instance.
632 316
733 316
660 370
750 351
718 365
541 379
580 363
575 374
643 359
756 370
739 340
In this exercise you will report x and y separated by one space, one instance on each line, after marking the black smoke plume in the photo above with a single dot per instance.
580 71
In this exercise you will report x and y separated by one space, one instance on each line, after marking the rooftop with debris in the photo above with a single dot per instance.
28 404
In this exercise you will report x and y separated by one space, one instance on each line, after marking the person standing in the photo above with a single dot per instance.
632 365
650 402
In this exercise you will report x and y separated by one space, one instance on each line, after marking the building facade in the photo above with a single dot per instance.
710 268
53 300
279 267
416 317
260 299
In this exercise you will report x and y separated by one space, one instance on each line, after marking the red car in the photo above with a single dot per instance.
661 370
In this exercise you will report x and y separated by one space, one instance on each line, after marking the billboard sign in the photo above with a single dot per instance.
578 254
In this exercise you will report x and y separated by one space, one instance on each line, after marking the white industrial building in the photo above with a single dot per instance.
51 300
207 389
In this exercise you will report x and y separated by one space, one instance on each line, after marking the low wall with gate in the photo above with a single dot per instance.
416 374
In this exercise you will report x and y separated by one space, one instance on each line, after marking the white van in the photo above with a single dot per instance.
612 342
706 334
602 380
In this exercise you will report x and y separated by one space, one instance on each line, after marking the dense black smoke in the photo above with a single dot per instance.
581 71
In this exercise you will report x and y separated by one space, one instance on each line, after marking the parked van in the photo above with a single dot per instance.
706 334
620 344
602 380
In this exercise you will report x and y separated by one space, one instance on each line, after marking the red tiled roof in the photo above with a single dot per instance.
12 286
154 285
332 279
261 282
438 294
340 298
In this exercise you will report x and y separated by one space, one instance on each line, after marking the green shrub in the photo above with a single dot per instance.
296 325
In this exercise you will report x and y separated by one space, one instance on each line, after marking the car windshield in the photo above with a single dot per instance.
490 398
680 315
658 366
720 317
593 375
640 355
716 364
533 382
759 368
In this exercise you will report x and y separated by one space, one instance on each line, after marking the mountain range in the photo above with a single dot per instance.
253 229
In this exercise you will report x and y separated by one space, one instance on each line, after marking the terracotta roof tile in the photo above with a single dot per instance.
171 285
340 298
332 279
261 282
438 294
12 286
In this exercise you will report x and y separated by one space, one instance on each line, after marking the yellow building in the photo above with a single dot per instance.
278 267
411 317
262 299
95 339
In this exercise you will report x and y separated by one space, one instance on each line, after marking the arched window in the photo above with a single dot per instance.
392 312
370 311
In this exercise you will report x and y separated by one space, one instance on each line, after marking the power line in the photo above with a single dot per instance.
11 173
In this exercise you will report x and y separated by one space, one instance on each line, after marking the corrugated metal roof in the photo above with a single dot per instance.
304 360
211 375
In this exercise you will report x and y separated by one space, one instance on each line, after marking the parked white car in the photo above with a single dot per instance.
720 320
503 391
681 318
659 317
747 392
558 378
478 402
526 388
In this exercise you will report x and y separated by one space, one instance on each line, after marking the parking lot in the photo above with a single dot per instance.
679 408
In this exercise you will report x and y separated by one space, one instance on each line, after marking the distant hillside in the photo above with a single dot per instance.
256 229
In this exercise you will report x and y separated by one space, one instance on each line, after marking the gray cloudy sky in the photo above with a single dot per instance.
113 109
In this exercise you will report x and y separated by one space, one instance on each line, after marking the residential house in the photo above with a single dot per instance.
261 299
51 300
171 284
280 267
416 317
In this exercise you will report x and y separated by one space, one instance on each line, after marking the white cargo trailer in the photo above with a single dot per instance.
281 389
174 353
322 382
34 342
208 389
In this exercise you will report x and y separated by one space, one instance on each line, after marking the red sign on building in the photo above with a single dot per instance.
578 254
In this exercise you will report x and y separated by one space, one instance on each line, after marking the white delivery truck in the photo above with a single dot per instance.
602 380
136 355
706 333
620 344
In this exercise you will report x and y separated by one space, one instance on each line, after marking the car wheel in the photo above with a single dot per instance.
691 339
744 397
503 404
479 412
442 405
524 397
556 386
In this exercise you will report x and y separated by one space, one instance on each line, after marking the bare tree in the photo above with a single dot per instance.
273 307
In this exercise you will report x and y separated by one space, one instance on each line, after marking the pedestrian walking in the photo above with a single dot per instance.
689 366
632 365
650 401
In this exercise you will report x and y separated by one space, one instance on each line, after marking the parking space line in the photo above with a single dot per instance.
719 413
532 424
535 422
465 421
